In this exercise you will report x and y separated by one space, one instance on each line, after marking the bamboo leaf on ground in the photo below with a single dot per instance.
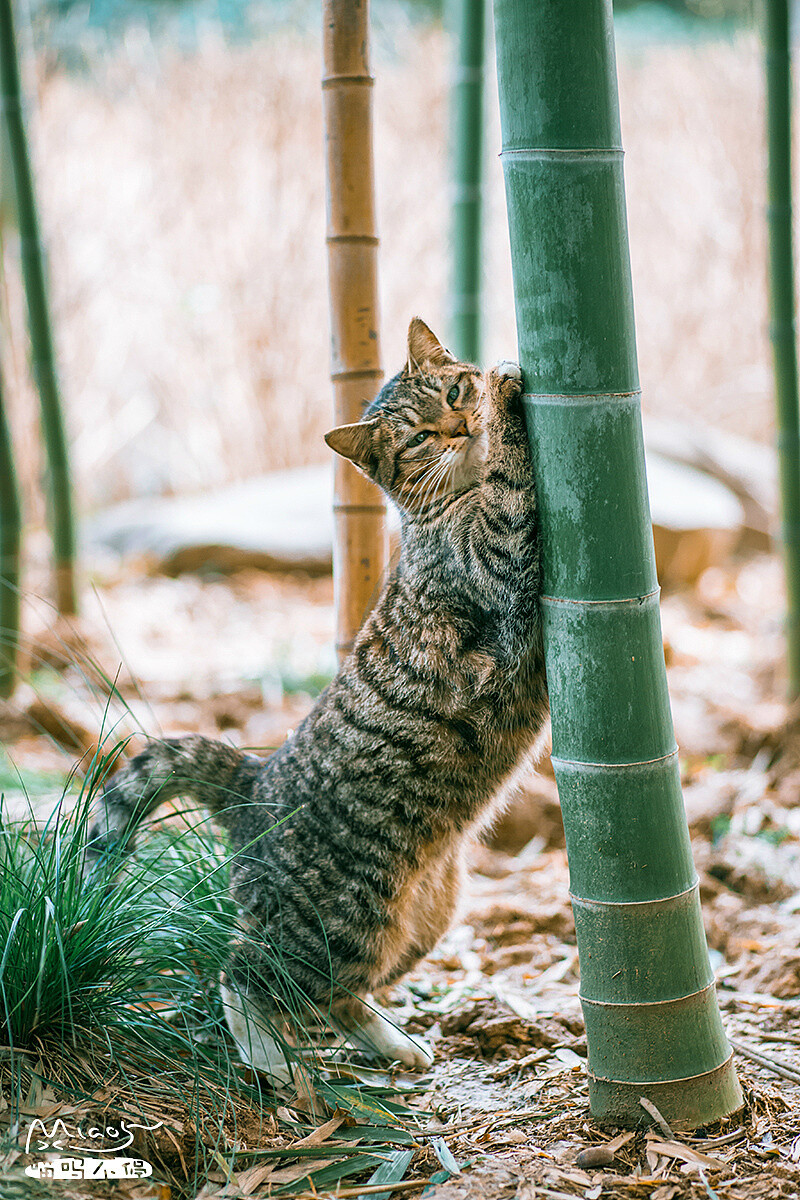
332 1173
391 1171
252 1178
300 1170
437 1177
295 1150
375 1111
444 1155
322 1134
369 1132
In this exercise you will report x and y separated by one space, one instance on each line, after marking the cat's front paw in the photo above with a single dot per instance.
417 1054
506 378
381 1036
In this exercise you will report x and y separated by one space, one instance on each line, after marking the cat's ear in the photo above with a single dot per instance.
425 347
357 442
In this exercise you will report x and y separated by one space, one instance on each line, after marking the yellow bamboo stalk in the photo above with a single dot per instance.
360 542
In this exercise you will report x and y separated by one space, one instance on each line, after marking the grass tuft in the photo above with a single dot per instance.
109 977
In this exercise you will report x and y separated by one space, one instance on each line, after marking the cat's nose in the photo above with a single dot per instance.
457 427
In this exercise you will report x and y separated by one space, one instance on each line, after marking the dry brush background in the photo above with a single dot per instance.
183 205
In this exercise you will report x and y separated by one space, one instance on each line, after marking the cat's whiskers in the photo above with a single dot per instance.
426 465
420 485
452 458
431 491
435 478
426 478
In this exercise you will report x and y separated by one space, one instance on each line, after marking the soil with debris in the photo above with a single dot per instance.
504 1112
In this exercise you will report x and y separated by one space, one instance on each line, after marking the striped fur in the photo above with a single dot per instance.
350 839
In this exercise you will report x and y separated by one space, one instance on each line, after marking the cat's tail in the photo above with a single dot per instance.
218 777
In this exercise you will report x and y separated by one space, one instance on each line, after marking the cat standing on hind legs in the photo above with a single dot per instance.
349 841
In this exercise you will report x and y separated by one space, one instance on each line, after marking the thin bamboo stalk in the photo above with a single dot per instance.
360 547
468 22
647 990
782 313
8 200
10 541
60 506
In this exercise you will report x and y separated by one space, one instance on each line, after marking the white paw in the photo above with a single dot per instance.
415 1052
508 370
381 1036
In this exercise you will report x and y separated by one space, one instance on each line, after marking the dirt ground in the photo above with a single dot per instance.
242 657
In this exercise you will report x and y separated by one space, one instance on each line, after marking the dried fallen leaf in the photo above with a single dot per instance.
653 1159
323 1132
249 1180
308 1100
649 1107
684 1153
300 1170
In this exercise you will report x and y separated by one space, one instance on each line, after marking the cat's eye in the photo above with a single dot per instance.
420 437
453 394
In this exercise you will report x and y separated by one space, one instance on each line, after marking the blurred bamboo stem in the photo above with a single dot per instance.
60 507
10 541
360 541
468 23
782 313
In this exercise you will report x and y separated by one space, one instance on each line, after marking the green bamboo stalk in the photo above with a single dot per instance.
10 541
782 312
647 990
60 508
467 22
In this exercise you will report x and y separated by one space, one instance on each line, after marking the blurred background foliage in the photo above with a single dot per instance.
69 25
177 146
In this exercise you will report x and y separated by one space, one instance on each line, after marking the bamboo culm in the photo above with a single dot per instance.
10 542
360 550
60 502
652 1021
467 20
782 313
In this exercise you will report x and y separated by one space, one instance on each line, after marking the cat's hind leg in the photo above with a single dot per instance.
253 1032
258 993
365 1026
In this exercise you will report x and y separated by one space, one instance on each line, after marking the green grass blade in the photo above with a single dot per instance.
331 1174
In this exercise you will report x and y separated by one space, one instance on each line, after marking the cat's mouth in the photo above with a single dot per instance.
467 459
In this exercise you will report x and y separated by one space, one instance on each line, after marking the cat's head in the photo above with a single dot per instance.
422 438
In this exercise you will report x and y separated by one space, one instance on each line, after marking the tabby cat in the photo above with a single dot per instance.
349 841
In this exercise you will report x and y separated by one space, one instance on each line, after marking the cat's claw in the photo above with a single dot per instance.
508 370
505 380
